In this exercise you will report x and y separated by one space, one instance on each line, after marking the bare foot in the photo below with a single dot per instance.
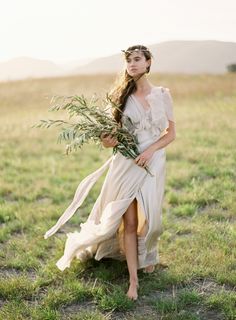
132 292
149 269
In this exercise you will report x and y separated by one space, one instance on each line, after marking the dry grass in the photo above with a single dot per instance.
38 182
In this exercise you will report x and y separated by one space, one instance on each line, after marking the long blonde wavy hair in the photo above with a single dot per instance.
126 84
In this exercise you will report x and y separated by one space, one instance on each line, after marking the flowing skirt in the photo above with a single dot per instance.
102 235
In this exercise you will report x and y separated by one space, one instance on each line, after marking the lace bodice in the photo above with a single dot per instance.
155 119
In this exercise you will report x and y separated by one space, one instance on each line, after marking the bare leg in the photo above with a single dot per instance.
130 245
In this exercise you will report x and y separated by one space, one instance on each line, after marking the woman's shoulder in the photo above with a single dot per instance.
167 105
163 89
156 91
163 92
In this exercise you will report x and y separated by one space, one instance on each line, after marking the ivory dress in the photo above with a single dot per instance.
102 235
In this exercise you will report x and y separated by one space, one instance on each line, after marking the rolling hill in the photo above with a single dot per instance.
190 57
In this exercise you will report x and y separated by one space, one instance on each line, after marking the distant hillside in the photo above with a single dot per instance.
24 67
176 57
192 57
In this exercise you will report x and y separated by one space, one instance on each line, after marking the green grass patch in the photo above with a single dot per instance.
38 182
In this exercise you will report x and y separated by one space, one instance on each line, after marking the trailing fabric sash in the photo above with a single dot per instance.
79 197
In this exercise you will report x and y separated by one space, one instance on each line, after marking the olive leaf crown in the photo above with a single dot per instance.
136 50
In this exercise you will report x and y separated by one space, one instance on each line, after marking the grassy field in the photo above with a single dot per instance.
38 181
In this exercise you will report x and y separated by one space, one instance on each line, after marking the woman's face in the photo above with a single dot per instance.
136 64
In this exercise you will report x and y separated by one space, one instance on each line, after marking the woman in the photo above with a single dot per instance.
125 221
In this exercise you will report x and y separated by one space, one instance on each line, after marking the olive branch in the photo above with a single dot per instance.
91 121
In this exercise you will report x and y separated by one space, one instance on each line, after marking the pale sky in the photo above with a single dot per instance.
63 30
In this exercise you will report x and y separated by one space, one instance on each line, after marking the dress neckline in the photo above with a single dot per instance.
141 105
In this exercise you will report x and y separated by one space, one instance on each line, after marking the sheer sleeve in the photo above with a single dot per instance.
168 103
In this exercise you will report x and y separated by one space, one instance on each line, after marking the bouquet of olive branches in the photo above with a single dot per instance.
92 121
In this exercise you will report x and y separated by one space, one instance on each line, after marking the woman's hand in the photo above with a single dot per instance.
108 140
143 158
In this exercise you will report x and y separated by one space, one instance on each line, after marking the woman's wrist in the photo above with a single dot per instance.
153 147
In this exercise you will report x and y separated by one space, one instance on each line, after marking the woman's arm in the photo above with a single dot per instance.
143 158
166 139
